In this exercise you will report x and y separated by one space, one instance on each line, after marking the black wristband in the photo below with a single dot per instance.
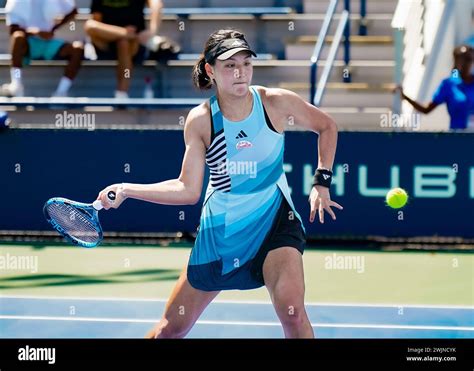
322 177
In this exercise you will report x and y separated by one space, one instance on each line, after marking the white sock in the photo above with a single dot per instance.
15 75
64 85
121 94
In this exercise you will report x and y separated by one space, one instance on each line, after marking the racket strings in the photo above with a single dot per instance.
73 222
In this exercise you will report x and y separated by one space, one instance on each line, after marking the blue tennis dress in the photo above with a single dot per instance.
246 187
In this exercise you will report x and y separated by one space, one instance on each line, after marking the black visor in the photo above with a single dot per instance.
227 48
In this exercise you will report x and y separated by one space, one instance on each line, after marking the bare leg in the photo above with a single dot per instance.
124 65
74 53
284 278
19 48
103 33
182 310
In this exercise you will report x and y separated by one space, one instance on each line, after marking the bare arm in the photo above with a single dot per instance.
292 107
186 189
418 106
155 17
295 109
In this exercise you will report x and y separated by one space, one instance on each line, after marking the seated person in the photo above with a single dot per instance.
118 31
456 91
32 26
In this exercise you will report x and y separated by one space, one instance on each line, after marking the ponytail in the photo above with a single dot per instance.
200 78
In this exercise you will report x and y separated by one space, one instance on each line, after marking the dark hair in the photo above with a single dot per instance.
200 78
463 51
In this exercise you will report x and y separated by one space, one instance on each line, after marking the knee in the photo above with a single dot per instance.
289 305
18 37
291 316
78 45
90 26
78 48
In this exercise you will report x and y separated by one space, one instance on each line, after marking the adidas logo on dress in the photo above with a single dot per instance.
241 135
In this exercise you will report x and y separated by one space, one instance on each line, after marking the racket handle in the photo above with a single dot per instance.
97 204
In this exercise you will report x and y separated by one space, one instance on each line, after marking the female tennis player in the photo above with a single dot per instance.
250 234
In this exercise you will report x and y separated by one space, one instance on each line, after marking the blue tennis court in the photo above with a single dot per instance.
75 317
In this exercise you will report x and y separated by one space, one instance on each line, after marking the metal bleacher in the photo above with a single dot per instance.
283 32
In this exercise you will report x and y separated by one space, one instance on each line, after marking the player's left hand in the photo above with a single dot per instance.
320 200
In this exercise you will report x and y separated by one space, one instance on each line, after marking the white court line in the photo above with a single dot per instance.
246 302
239 323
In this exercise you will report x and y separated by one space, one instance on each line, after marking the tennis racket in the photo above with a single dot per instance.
76 221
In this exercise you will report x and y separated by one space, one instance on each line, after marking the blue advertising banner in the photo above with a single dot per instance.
437 171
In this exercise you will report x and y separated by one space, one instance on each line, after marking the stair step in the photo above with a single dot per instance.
373 6
354 39
362 47
353 86
348 95
347 118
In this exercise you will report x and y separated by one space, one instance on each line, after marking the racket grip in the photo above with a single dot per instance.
97 204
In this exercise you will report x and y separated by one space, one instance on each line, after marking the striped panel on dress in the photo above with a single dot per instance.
216 159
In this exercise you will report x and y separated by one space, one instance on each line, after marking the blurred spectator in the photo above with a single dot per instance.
456 91
118 31
32 26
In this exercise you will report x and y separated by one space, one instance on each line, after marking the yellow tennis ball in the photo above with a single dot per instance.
396 198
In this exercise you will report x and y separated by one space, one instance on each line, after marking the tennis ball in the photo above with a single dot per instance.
396 198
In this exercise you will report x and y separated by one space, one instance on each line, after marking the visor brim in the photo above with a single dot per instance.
229 53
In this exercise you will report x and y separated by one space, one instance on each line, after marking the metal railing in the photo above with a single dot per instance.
344 29
330 59
318 47
316 92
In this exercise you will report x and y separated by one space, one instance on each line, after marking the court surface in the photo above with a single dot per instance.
128 318
120 292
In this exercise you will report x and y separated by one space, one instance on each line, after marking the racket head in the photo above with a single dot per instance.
76 221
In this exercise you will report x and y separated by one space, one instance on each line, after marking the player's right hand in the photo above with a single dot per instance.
119 196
